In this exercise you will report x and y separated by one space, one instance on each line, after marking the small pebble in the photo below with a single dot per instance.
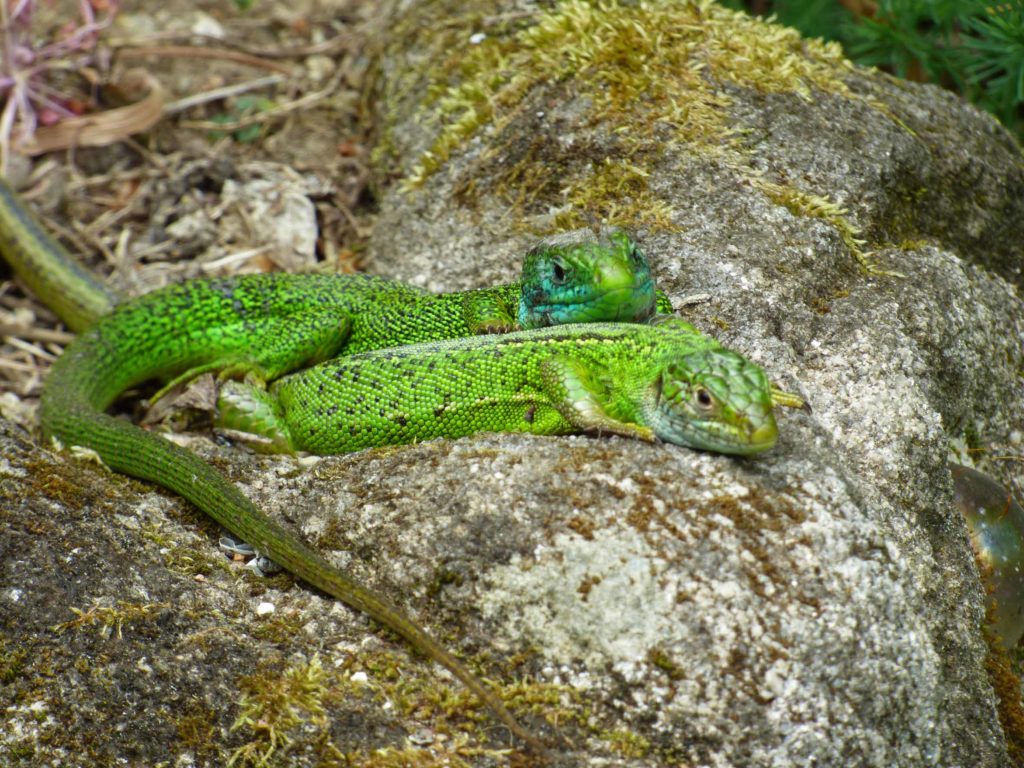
422 737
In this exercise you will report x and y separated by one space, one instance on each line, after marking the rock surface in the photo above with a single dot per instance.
768 216
818 605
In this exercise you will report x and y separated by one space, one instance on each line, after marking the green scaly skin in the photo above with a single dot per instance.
71 291
663 381
265 325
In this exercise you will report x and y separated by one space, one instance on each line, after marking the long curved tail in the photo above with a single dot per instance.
70 290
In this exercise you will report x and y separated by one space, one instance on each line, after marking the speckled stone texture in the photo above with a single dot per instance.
819 605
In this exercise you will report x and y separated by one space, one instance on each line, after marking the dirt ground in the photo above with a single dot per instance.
264 110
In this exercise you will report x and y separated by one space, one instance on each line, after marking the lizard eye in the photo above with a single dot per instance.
703 398
558 272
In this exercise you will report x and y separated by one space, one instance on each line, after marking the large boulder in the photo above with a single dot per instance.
819 605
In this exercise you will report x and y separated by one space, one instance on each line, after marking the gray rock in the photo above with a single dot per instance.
884 664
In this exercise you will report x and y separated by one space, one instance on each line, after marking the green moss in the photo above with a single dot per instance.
642 80
110 619
443 577
69 484
801 203
276 705
616 191
185 560
643 67
661 660
23 751
12 662
626 743
422 697
556 703
413 757
258 586
646 75
197 731
823 304
278 628
451 709
286 711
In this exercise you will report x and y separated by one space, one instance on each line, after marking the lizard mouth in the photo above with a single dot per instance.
737 440
632 303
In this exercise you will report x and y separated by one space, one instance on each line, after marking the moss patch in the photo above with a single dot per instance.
187 560
286 711
273 706
626 743
12 662
196 729
638 78
643 67
801 203
110 619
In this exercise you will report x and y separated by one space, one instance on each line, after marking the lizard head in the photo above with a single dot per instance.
714 400
580 277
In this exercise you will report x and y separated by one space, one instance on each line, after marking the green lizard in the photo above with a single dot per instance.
577 276
70 290
661 381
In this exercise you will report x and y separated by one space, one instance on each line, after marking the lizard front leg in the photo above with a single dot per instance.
585 401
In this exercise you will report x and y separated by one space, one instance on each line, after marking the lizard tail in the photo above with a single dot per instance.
70 290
